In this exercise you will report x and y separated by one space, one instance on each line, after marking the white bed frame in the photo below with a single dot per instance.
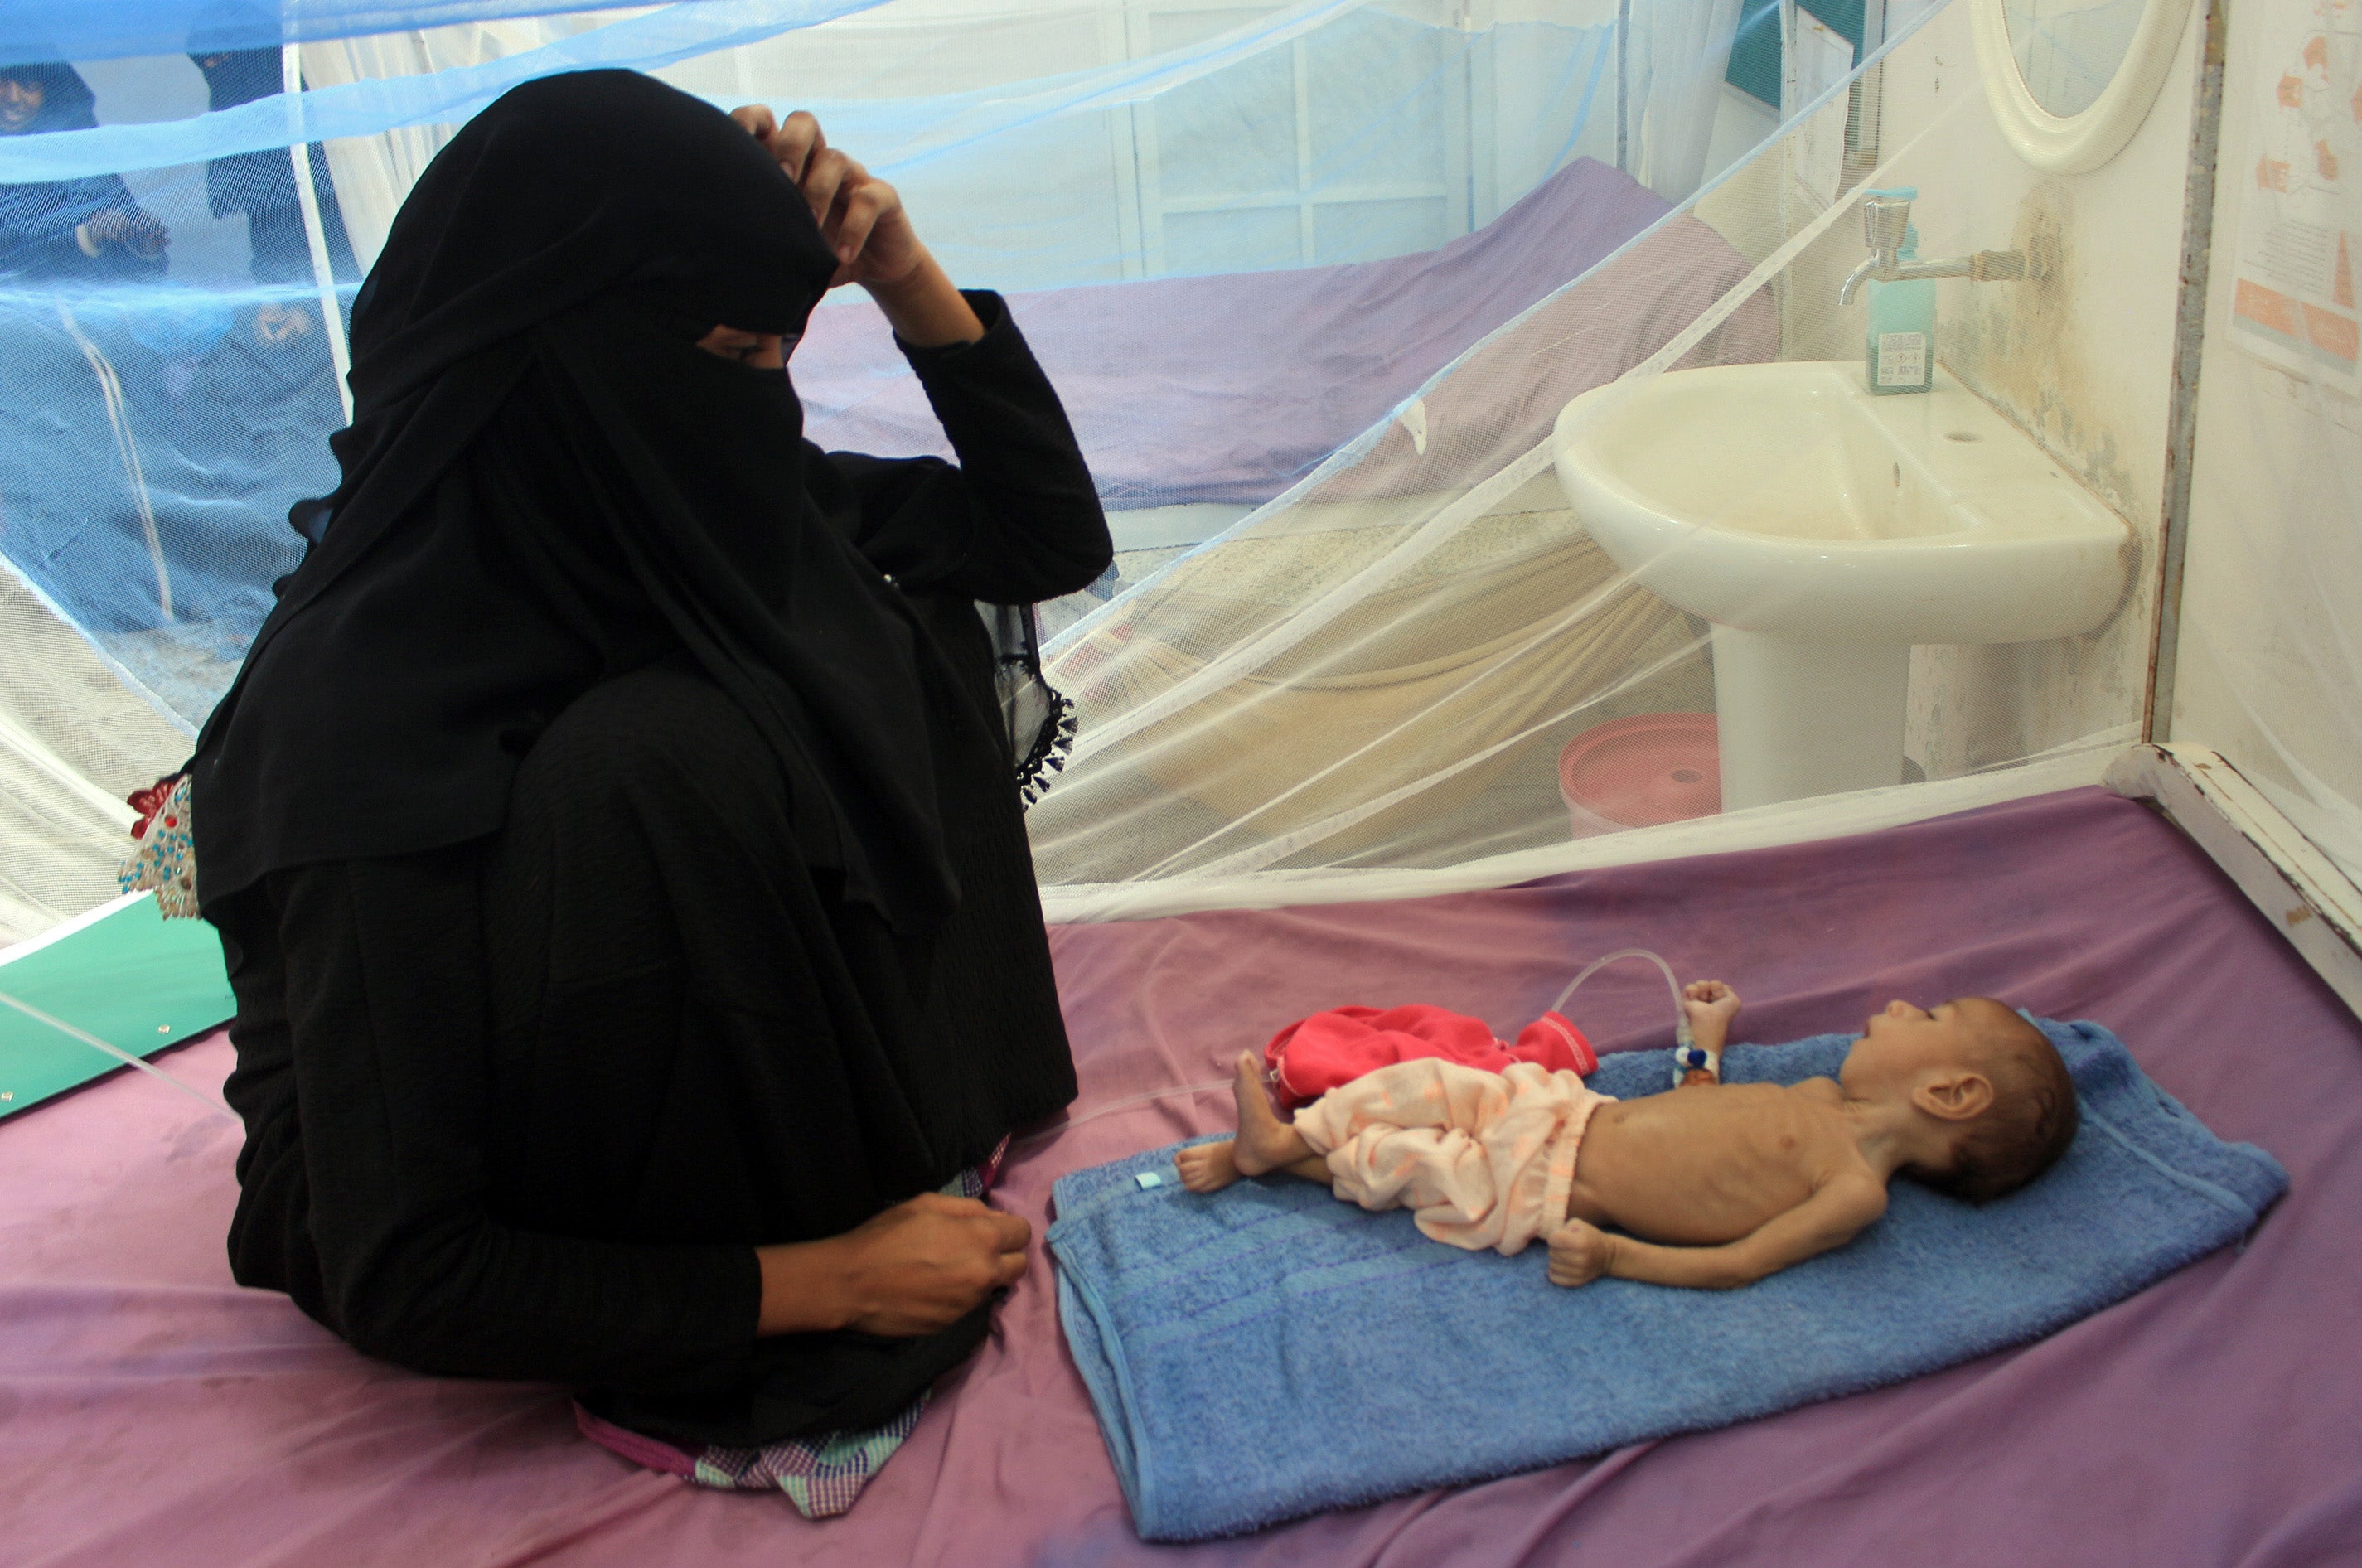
2308 900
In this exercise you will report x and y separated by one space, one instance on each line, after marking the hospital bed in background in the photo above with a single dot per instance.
1197 398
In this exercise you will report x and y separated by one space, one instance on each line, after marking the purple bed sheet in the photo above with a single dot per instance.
1230 388
152 1412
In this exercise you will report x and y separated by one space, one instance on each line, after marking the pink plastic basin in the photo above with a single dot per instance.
1642 771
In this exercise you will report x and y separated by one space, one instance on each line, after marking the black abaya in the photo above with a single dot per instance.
522 1107
522 1103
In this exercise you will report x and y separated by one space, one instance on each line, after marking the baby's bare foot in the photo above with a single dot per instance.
1205 1167
1264 1142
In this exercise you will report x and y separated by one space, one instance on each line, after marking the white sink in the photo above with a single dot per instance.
1823 531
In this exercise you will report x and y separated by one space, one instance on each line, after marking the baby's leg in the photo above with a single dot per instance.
1205 1167
1264 1142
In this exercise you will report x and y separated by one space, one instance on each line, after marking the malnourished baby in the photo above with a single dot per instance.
1711 1185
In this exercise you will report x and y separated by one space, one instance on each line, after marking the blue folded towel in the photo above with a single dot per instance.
1269 1351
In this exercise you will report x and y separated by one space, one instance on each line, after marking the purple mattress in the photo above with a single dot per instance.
152 1412
1230 388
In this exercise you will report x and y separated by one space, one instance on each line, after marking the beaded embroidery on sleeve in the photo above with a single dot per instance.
163 857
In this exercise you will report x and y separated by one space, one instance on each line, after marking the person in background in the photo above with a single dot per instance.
263 186
59 230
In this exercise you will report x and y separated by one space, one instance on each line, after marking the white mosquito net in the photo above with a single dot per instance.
1315 282
2270 652
1423 656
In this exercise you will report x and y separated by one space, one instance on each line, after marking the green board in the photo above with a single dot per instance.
1755 51
132 978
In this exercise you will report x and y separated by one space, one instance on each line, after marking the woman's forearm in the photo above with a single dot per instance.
918 1267
925 310
804 1288
1019 519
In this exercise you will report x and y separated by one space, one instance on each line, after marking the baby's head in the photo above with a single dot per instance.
1983 1080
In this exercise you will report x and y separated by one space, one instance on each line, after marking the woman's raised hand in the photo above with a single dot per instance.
860 217
915 1269
863 221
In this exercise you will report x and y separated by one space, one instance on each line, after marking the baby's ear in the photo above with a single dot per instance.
1954 1095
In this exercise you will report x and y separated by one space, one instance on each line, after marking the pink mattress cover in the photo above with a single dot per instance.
150 1411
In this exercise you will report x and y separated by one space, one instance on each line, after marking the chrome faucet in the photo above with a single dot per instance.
1885 217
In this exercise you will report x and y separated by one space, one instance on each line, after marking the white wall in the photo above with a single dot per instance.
1389 129
2079 355
2269 670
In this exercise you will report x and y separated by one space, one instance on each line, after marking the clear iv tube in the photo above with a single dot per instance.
1680 1035
1681 1018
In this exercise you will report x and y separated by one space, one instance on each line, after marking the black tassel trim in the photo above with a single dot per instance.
1052 746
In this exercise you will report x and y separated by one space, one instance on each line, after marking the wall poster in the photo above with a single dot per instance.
2300 236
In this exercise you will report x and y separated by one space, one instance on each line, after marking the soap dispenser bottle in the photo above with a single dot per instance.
1901 356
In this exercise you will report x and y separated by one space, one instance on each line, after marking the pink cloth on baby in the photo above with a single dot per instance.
1481 1159
1316 1054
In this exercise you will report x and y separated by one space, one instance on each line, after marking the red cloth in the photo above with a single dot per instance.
1315 1055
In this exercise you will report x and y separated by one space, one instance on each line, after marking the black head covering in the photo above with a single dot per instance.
236 43
66 100
241 76
546 483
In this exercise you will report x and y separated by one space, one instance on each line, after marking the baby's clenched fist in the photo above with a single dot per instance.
1579 1253
1709 1001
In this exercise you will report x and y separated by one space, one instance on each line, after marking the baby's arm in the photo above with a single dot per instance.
1834 1215
1708 1007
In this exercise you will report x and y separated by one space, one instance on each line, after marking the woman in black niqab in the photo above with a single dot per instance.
542 254
618 864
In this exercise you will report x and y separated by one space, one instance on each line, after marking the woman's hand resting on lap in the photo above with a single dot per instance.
916 1269
924 1264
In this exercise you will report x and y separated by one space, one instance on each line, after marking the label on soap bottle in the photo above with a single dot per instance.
1902 359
